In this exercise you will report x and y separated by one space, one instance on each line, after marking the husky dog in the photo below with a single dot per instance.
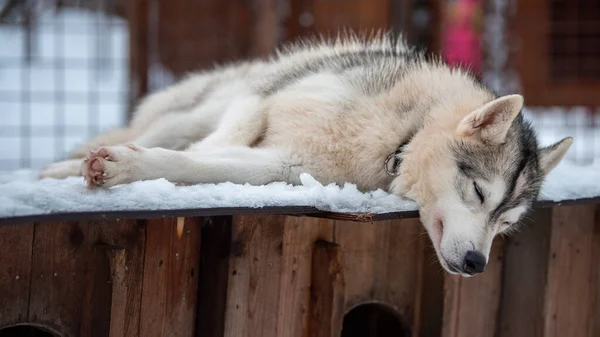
366 110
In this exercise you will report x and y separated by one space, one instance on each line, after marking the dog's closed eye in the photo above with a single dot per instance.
478 192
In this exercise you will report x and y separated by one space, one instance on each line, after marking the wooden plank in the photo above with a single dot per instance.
126 260
327 291
525 277
385 263
366 249
569 308
170 281
299 237
378 257
403 286
71 286
428 318
63 263
214 276
254 269
471 304
114 269
15 273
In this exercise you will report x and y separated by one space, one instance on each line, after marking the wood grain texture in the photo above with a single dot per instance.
72 283
15 273
524 278
214 276
403 287
327 291
299 237
569 308
67 271
170 279
471 304
126 261
428 318
254 273
381 262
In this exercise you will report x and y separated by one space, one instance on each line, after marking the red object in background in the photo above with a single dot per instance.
462 34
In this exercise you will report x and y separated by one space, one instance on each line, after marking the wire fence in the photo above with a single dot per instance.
63 78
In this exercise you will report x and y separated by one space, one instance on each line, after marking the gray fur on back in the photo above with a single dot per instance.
370 63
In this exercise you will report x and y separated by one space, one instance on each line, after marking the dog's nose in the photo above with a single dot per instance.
474 263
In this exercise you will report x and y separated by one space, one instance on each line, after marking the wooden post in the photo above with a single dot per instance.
572 268
264 27
170 278
139 51
254 274
428 318
525 277
299 235
327 291
15 273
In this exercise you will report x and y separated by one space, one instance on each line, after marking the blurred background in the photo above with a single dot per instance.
70 69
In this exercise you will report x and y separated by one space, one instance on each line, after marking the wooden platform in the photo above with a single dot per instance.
292 271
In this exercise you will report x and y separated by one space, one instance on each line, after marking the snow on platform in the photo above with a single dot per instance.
22 194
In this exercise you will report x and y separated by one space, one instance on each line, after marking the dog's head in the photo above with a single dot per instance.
474 173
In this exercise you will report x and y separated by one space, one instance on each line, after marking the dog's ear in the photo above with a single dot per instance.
491 121
550 156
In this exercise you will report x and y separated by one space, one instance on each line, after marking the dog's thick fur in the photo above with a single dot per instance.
338 110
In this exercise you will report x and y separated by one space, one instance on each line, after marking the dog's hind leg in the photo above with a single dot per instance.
242 124
178 130
179 97
125 164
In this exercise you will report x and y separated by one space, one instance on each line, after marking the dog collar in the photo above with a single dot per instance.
393 160
395 164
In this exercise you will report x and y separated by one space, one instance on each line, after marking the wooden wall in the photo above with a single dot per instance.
101 278
275 275
556 50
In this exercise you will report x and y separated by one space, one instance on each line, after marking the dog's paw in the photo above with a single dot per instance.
61 170
111 165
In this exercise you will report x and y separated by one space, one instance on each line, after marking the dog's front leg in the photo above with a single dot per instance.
114 165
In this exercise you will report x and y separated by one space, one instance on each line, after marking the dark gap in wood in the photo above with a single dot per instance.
214 276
